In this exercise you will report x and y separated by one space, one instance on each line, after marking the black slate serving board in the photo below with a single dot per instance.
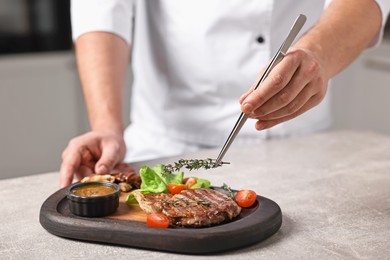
127 227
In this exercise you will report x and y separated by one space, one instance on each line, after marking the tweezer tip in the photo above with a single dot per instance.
218 163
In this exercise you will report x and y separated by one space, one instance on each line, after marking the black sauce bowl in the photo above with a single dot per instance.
93 206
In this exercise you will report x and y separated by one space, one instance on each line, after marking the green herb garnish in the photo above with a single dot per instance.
203 202
176 203
192 164
228 190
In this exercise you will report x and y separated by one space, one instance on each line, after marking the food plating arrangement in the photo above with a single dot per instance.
125 204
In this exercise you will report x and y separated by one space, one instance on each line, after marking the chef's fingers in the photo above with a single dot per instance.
66 174
308 72
295 104
70 162
313 101
80 151
83 171
88 158
109 158
290 99
277 79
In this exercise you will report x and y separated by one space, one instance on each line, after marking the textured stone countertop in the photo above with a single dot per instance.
333 189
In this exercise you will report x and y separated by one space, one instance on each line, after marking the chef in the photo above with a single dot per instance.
194 66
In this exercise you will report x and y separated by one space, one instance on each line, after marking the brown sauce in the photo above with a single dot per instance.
92 190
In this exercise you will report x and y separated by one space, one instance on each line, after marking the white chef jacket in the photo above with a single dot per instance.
192 60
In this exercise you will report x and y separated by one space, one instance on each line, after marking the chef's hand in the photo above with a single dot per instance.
92 153
292 87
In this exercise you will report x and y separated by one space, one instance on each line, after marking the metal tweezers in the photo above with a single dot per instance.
297 26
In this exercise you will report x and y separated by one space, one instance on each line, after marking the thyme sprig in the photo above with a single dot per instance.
228 190
192 164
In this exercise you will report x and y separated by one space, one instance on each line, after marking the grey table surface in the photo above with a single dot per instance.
333 189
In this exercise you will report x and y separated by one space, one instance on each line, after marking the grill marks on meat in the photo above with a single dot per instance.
200 207
151 203
191 207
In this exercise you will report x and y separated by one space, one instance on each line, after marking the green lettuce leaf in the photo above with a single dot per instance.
201 183
155 180
152 180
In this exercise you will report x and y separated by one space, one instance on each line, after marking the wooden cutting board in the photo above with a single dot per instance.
129 213
127 227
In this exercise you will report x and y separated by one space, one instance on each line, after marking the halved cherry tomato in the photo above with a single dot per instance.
175 188
157 220
245 198
190 182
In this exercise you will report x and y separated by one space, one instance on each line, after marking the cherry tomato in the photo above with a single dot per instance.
190 182
175 188
157 220
245 198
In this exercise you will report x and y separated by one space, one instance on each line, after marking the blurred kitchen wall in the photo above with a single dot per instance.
361 93
41 103
42 108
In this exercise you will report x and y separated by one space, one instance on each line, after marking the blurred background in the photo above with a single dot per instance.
42 107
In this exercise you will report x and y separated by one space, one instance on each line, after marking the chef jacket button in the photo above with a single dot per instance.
260 39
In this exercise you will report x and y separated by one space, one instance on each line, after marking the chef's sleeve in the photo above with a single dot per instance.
114 16
384 5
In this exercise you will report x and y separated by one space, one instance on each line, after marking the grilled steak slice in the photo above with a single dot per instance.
191 207
151 203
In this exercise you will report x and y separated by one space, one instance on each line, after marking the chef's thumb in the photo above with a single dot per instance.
107 161
243 96
102 169
246 107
